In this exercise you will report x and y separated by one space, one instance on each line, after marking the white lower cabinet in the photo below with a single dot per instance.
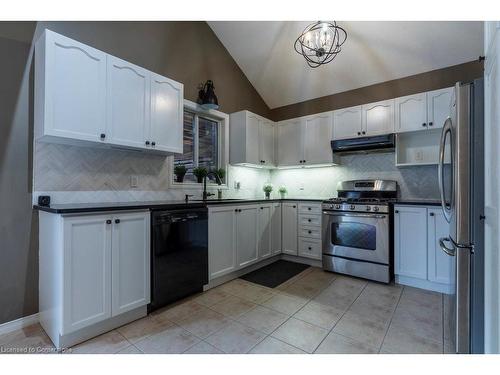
93 269
264 234
221 241
276 228
418 258
246 235
289 228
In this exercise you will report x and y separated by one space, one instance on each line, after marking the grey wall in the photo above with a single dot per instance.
185 51
18 229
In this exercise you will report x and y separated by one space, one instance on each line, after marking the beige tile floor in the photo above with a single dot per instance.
314 312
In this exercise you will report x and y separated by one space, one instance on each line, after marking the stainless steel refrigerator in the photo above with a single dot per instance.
461 184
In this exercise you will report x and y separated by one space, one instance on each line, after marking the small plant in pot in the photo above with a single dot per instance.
268 188
221 172
200 173
180 172
282 191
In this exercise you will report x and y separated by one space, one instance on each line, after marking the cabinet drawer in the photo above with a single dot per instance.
310 248
310 208
310 232
310 220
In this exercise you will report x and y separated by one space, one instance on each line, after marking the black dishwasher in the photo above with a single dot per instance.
179 258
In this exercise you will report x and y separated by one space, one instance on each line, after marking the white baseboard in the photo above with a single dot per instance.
424 284
20 323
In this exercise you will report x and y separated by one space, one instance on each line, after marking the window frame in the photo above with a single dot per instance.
223 146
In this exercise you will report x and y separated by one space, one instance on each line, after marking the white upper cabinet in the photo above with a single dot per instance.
128 95
347 123
84 96
167 111
427 110
70 89
378 118
411 113
266 142
318 131
290 151
252 140
438 107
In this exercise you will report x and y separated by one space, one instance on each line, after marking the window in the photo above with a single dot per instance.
201 144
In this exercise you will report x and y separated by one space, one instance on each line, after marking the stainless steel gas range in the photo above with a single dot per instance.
356 229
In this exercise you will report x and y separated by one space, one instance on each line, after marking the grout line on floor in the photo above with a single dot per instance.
390 320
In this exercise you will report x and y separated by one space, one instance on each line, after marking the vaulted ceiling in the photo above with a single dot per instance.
374 52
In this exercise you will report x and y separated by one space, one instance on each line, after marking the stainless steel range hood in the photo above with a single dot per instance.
379 143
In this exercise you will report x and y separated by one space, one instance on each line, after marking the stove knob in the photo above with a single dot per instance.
352 207
337 206
375 208
368 208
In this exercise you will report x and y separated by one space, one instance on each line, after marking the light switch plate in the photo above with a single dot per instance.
419 155
134 181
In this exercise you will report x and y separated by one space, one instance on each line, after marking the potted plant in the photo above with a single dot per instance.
180 172
268 188
200 173
282 191
221 172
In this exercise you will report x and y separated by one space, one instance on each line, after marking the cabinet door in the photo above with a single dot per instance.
439 264
128 100
438 107
246 235
130 262
166 118
347 123
221 241
74 88
318 135
290 151
276 228
411 113
264 233
266 142
378 118
410 241
87 271
252 139
289 228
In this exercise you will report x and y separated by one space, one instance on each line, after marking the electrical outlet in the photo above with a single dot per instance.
419 155
237 185
134 181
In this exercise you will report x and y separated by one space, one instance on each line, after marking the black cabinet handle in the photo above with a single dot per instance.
431 214
430 123
424 124
309 248
309 208
359 133
294 206
396 211
262 208
309 232
103 135
309 220
363 133
236 210
147 143
117 221
153 143
108 221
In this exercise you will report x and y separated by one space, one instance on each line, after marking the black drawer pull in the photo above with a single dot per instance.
310 248
147 143
117 221
103 135
430 123
424 124
108 221
309 220
431 214
309 232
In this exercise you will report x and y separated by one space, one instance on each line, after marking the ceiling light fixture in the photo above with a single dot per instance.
320 42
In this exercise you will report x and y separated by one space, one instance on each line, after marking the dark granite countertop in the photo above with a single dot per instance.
71 208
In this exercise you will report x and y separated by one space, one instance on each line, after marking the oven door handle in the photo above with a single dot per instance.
377 216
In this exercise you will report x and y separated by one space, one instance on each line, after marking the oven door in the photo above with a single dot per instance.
356 236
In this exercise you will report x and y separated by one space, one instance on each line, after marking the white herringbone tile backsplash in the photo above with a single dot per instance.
84 174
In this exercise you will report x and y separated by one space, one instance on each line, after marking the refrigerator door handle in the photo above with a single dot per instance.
448 251
447 129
